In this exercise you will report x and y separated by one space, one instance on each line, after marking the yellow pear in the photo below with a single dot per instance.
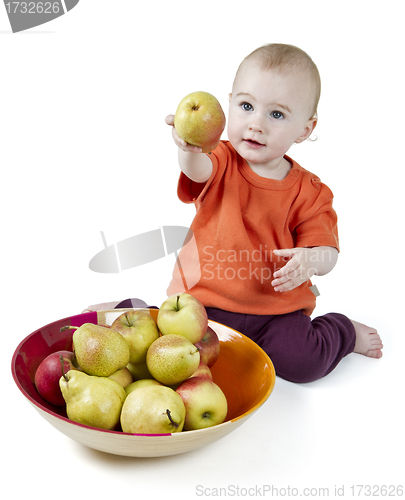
91 400
99 350
153 410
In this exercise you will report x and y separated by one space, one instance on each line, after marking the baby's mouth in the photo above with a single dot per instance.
253 144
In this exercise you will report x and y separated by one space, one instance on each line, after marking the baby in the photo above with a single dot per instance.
264 225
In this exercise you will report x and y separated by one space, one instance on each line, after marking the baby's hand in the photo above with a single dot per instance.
185 146
299 269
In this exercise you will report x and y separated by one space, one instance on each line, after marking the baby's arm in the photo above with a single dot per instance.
303 263
193 163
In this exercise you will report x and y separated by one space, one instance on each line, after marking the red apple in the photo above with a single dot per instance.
209 347
48 374
202 371
205 403
183 314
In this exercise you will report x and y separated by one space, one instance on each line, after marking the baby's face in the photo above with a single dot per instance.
269 111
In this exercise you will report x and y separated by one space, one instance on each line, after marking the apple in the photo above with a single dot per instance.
202 371
123 377
200 120
171 359
139 329
48 374
139 370
183 314
209 347
146 382
205 403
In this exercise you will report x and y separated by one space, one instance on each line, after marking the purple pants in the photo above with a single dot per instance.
300 349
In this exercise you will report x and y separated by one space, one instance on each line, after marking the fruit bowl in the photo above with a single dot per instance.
243 371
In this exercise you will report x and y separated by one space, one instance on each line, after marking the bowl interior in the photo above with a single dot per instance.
243 370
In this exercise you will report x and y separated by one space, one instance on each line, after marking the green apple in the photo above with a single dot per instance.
146 382
171 359
139 370
123 377
183 314
153 410
200 120
139 329
205 403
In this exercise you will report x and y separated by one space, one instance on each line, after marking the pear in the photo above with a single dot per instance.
155 409
172 358
91 400
99 350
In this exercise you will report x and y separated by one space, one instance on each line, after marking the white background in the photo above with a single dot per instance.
84 148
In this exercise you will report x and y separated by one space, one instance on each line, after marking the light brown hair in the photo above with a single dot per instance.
283 57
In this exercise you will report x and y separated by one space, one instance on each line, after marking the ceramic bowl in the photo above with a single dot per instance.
243 371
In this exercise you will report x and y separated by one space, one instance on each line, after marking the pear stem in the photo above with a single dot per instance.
68 327
62 365
171 420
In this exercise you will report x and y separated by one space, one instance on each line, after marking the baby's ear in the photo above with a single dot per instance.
230 97
307 131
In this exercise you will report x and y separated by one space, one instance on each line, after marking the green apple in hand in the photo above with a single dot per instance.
205 403
139 329
171 359
200 120
183 314
155 409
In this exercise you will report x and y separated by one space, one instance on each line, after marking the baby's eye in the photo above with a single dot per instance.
277 115
246 106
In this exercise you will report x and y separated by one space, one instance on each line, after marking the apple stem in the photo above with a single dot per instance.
67 327
171 420
62 365
177 303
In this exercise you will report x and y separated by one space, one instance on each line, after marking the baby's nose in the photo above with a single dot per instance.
256 127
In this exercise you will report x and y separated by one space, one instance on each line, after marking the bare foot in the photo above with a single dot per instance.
368 342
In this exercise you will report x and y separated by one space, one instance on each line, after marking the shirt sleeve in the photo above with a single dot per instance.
189 191
317 222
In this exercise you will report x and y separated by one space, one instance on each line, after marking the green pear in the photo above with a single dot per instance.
172 358
91 400
100 350
153 410
146 382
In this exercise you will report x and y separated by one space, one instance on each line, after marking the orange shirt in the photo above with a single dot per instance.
241 218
